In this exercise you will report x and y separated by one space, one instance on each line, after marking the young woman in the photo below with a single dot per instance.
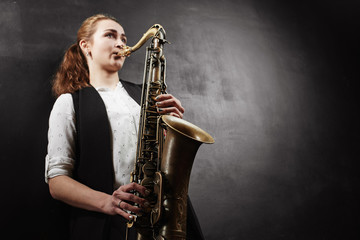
78 170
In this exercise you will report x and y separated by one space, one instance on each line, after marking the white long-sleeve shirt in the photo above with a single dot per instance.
123 113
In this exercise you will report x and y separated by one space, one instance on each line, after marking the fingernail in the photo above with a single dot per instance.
157 97
131 216
160 109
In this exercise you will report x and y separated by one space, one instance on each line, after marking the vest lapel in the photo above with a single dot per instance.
94 166
134 90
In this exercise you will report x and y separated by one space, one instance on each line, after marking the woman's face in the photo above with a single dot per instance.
106 42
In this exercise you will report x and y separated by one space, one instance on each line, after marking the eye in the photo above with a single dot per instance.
109 35
124 40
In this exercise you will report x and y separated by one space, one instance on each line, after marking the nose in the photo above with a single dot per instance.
119 44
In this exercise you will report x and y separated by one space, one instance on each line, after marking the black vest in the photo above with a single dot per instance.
94 168
94 165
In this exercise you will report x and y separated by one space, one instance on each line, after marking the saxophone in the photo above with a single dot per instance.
166 150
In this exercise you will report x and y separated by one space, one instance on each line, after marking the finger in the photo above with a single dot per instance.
170 110
175 115
163 97
124 214
170 102
121 204
128 207
129 197
133 187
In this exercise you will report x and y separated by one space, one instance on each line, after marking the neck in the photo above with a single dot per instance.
101 78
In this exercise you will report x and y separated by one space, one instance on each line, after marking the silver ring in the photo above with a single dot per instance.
119 203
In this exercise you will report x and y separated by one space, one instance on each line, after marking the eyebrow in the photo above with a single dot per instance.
113 30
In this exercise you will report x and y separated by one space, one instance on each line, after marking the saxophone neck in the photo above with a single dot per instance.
156 31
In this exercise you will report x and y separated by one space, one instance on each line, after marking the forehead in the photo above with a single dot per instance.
104 25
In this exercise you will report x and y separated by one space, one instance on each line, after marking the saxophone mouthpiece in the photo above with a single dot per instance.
125 52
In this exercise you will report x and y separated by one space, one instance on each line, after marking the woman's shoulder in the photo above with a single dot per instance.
64 103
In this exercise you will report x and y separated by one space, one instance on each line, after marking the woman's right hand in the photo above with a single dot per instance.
121 201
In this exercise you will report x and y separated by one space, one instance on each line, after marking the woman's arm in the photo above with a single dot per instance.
78 195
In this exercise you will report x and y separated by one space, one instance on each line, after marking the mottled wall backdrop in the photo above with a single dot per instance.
275 83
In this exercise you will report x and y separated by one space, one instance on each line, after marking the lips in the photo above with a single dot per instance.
116 56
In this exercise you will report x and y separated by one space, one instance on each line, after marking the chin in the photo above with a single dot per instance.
115 67
118 65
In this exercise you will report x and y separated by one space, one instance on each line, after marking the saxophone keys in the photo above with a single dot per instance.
130 224
149 169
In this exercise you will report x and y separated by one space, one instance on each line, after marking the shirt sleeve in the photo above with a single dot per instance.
60 156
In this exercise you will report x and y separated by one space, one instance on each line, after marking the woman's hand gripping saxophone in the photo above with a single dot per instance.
168 104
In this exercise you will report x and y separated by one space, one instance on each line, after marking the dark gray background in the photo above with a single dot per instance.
275 83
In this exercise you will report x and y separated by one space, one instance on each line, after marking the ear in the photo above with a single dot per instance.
84 45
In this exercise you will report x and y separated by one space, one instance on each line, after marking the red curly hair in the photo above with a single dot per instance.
73 72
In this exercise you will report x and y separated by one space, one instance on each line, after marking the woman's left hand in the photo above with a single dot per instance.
168 104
